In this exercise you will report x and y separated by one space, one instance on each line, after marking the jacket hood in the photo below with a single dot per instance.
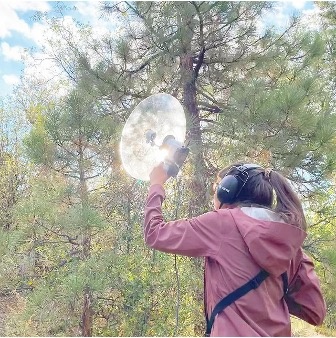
271 242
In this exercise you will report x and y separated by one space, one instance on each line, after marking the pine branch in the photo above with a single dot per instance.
203 93
71 240
326 219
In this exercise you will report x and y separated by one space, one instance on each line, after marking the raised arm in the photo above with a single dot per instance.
198 236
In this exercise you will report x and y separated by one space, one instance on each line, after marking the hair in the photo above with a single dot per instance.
272 191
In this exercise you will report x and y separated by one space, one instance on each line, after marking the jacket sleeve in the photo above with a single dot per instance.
193 237
304 298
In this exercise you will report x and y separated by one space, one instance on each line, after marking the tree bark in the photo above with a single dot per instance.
87 315
197 185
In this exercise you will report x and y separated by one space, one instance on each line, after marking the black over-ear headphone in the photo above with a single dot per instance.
232 184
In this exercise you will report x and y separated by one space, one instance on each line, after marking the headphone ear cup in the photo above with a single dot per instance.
227 189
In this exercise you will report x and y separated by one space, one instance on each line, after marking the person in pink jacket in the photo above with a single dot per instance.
257 225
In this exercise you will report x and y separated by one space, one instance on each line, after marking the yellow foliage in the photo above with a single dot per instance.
34 114
301 328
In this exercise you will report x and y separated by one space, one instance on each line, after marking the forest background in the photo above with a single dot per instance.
73 261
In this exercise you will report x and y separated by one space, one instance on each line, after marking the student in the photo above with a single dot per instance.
257 227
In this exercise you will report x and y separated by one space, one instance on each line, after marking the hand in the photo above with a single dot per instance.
158 175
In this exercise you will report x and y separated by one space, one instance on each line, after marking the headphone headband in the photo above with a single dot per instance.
247 167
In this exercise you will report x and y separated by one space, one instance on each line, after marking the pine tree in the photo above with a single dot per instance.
68 138
249 95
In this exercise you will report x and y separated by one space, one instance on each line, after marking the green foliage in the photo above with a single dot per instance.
38 144
76 224
320 244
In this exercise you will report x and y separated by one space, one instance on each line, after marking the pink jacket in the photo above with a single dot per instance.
236 244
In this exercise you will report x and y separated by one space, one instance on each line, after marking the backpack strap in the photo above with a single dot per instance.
243 290
284 277
233 296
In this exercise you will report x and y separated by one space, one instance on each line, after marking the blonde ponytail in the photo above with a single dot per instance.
288 204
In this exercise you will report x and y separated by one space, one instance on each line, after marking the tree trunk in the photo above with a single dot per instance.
87 313
197 185
86 322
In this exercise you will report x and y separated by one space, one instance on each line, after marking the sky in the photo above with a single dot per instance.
21 31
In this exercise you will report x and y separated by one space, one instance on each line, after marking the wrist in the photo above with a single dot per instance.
156 183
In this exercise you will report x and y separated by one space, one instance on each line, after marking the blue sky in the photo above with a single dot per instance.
19 30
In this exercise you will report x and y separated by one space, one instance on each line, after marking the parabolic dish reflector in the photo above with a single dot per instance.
164 115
